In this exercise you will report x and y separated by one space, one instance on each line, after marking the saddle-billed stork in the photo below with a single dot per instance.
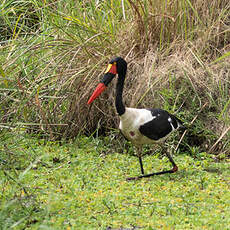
140 126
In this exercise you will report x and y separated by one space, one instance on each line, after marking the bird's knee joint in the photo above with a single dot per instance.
175 169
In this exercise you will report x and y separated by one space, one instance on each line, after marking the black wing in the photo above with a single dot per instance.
161 125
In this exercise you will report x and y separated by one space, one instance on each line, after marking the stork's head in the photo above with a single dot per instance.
116 66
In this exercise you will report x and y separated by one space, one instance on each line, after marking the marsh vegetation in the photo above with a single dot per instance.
62 162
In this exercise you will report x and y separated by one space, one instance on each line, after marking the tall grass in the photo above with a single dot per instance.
46 67
53 52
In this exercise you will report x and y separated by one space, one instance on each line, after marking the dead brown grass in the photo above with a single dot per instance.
193 80
188 62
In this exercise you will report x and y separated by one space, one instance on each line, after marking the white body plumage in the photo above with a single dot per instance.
133 119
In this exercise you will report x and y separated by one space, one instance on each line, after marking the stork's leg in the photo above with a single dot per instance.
138 150
174 169
139 154
141 164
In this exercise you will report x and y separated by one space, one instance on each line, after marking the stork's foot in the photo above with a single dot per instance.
173 170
